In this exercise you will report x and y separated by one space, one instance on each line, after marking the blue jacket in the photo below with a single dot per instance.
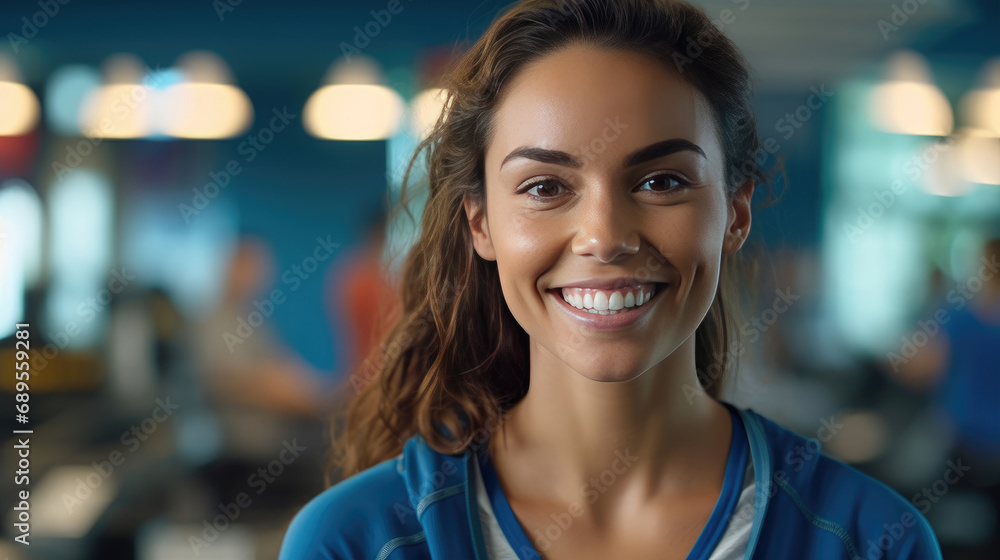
807 506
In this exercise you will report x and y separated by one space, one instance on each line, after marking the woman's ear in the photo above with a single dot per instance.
739 218
480 228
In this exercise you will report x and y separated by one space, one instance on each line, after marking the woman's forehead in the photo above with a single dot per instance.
580 97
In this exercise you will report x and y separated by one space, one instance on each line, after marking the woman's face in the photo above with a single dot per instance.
604 183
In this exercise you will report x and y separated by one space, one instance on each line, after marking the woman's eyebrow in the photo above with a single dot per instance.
642 155
660 149
543 155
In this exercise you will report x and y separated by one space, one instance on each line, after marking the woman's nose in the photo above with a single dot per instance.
607 230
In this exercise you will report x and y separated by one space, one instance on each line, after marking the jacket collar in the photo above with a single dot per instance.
760 453
431 477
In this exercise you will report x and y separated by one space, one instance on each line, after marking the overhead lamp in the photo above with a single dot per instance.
206 103
981 107
978 155
909 102
944 178
354 105
20 105
425 109
123 107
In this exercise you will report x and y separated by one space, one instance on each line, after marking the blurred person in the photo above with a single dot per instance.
362 299
953 367
922 370
257 387
960 364
968 355
552 383
955 353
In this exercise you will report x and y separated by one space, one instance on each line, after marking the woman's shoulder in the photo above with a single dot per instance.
810 487
353 518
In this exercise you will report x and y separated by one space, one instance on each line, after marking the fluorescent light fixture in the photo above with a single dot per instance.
124 105
425 109
20 105
981 107
354 105
978 155
206 104
909 102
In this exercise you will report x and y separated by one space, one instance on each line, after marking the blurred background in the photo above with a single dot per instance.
193 223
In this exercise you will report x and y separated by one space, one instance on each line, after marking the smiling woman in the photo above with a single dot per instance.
547 392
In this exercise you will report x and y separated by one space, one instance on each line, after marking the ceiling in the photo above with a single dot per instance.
791 44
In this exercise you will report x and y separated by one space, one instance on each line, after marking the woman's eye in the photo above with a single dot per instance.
664 183
546 188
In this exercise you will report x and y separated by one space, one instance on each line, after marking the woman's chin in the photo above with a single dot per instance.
611 373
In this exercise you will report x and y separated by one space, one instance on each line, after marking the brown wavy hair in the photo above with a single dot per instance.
456 359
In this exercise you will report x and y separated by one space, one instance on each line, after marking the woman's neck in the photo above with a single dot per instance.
658 433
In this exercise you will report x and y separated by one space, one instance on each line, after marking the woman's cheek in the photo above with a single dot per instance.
533 239
524 235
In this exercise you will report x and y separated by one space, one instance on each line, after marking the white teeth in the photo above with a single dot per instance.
616 302
601 301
